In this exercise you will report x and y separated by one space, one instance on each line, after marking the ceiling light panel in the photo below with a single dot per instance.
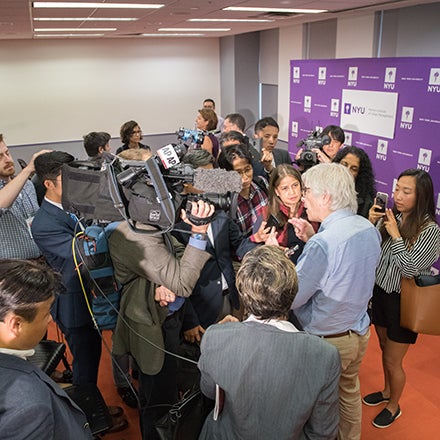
96 5
285 10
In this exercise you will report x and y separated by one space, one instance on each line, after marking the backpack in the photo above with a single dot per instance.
96 273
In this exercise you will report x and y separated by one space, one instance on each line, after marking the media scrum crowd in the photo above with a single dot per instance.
269 273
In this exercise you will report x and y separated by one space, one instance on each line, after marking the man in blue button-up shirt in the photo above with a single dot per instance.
336 273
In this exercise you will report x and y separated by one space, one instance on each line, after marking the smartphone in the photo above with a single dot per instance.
382 201
22 163
273 221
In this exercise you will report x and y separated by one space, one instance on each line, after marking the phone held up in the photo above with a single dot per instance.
382 201
272 221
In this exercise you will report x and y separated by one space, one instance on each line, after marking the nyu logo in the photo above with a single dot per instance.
437 211
334 107
294 129
382 149
424 161
352 76
434 80
353 109
390 78
307 104
296 75
348 138
322 74
407 118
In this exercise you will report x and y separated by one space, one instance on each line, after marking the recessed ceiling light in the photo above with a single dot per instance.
231 20
83 19
194 29
68 35
288 10
96 5
74 29
172 35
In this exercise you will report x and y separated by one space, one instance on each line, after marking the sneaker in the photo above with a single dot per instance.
374 399
385 418
128 396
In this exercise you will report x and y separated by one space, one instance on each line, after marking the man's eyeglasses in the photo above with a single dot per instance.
304 191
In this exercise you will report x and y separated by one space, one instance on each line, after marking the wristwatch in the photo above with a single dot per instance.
198 236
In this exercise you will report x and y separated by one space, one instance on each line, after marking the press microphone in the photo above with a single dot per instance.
217 181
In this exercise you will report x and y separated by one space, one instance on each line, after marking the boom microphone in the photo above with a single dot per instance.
217 181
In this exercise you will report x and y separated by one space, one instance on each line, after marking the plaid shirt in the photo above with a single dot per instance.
250 210
15 237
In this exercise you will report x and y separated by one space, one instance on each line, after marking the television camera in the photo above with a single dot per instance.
149 192
314 140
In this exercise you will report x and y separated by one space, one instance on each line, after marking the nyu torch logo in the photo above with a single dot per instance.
334 108
296 75
407 118
294 129
382 149
434 80
322 76
390 78
424 161
352 76
307 104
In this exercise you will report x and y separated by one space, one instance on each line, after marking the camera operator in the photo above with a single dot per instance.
215 294
146 266
325 151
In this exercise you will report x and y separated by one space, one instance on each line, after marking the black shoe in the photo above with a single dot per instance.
128 396
385 418
374 399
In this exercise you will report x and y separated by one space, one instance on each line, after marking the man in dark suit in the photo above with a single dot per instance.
32 405
53 230
267 130
215 292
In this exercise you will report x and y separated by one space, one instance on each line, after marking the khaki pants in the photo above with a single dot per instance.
351 349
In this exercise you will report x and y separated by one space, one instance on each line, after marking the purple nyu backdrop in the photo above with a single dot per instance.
390 107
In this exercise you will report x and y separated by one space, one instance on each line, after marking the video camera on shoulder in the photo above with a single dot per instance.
314 140
149 192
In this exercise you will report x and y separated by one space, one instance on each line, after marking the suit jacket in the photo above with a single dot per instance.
53 230
205 302
34 407
278 385
141 262
281 156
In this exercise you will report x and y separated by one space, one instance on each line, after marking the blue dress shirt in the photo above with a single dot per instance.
336 274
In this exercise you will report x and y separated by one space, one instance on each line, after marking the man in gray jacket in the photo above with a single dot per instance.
32 406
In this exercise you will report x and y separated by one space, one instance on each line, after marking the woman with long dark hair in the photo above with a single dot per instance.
285 202
359 165
410 245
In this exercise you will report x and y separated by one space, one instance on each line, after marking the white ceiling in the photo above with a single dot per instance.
17 16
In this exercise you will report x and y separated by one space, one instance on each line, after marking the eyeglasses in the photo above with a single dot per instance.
136 132
304 191
245 171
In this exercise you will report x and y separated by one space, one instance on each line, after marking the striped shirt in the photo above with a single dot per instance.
397 261
15 236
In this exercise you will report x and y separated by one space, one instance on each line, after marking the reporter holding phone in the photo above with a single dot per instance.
410 245
285 203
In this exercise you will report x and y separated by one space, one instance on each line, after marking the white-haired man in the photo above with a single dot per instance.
336 273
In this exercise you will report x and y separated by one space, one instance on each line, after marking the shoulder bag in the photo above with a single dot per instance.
420 304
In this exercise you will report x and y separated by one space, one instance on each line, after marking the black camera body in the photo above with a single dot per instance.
314 140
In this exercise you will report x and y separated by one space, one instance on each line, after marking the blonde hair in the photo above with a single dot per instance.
267 282
135 154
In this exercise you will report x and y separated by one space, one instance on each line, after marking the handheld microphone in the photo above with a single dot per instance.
217 181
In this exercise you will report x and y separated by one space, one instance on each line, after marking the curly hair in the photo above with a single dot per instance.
364 184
